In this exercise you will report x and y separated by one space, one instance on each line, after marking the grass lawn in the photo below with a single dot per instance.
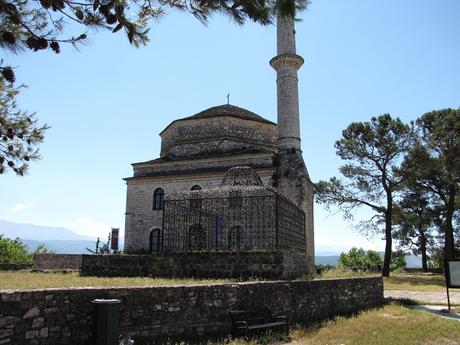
415 282
39 280
392 325
396 281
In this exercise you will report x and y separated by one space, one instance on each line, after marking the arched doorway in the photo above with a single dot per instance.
234 238
155 240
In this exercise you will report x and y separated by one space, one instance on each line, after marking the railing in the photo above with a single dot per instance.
234 223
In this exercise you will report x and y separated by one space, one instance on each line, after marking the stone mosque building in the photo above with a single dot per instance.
227 179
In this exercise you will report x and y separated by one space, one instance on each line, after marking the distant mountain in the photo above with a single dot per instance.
59 240
62 246
39 233
327 260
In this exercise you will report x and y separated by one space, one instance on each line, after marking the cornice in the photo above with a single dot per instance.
188 176
286 60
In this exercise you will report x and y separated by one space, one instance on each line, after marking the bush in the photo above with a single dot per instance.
13 251
360 260
324 268
398 261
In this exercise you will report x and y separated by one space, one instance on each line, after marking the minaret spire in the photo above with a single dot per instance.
286 65
291 173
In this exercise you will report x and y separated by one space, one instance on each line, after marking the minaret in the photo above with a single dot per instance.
286 65
291 175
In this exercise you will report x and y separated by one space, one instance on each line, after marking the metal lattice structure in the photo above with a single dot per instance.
244 218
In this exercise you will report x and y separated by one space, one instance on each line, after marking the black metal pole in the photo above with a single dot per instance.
448 298
446 275
276 224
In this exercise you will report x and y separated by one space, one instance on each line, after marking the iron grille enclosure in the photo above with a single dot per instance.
232 218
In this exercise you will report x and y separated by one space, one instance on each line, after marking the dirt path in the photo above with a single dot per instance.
426 296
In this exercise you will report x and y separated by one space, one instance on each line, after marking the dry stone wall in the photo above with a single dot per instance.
66 316
56 262
268 265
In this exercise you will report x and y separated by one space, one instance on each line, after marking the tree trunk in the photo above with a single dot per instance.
388 236
423 249
449 251
388 248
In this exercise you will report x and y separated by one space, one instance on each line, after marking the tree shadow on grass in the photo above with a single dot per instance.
417 280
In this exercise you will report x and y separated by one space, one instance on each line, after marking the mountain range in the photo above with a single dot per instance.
64 241
57 239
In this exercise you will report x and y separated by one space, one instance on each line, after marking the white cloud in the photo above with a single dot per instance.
21 206
89 226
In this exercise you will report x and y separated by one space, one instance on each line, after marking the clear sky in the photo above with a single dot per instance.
107 103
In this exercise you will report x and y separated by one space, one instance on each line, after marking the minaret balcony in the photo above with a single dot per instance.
284 60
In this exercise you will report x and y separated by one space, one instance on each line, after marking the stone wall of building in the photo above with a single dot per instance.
66 316
268 265
141 219
56 262
292 179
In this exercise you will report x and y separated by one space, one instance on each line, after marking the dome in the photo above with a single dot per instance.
228 110
241 176
218 131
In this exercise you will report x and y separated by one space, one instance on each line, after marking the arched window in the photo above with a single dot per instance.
155 240
158 199
234 238
197 238
195 202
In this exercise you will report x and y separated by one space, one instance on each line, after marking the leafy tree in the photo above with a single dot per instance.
398 261
39 25
414 223
13 251
375 150
359 260
434 165
31 25
42 249
19 132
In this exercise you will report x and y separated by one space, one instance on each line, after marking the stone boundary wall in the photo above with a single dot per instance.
148 314
14 267
267 265
56 262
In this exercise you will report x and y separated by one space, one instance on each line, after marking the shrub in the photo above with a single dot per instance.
398 261
13 251
360 260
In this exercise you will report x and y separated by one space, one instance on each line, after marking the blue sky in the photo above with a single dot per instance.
107 102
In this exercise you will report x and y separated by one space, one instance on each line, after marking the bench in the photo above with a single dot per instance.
252 321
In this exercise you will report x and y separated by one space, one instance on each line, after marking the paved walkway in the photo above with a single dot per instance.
439 298
437 301
439 310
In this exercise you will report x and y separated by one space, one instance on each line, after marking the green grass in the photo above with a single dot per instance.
415 282
39 280
396 281
35 280
340 273
394 324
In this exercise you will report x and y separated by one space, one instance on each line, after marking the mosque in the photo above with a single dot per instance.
227 179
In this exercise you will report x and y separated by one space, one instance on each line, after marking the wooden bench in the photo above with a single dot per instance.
253 321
